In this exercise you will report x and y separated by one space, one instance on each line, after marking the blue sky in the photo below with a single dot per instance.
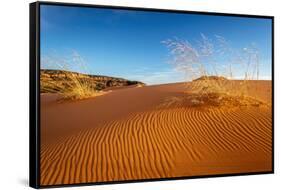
127 44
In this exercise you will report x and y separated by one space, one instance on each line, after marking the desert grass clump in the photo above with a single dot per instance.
224 100
196 62
61 80
209 66
212 100
81 92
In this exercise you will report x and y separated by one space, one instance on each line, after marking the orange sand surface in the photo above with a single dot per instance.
127 135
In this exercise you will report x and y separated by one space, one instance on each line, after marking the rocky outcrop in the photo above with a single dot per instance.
55 80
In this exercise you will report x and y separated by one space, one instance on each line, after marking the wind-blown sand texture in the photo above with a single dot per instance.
128 135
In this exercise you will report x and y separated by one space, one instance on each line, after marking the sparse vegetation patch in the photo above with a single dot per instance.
209 67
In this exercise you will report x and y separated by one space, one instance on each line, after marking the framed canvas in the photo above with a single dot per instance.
122 94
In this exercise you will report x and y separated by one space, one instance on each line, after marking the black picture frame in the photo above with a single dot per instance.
34 90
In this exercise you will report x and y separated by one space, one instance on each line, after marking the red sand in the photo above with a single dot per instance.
125 135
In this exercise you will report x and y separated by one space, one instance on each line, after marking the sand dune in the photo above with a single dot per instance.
125 135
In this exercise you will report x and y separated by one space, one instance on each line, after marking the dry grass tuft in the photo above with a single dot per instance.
210 83
224 100
70 85
212 100
57 76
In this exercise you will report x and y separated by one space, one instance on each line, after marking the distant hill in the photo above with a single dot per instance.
50 80
210 78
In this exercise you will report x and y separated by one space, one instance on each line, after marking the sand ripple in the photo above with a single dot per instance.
162 143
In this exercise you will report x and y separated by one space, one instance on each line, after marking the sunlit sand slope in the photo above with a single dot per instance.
144 140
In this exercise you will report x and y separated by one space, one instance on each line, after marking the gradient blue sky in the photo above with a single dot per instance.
127 44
